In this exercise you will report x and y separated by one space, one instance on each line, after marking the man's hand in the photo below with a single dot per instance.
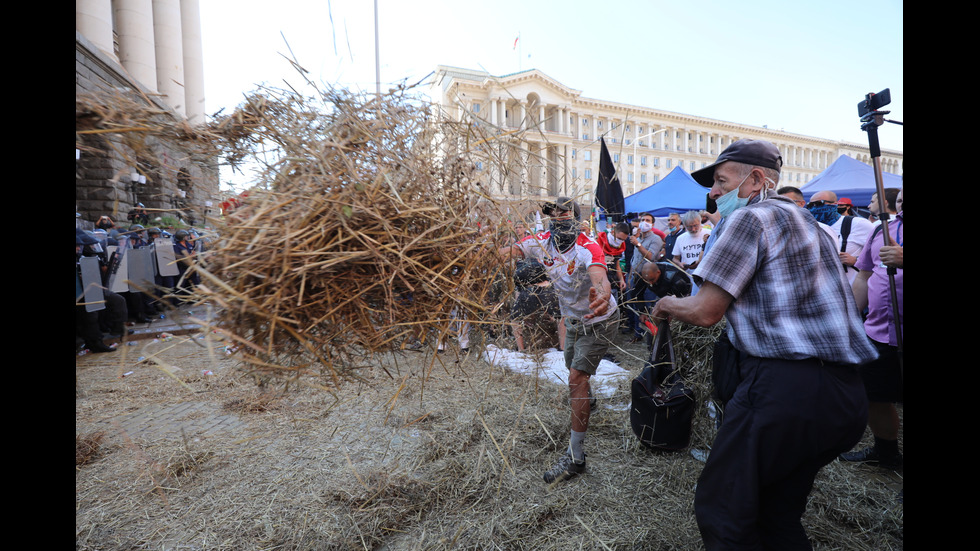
891 256
598 303
659 312
847 259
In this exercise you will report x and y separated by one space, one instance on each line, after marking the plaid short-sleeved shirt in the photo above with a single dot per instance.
792 299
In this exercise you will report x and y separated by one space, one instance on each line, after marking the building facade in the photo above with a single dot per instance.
153 49
541 138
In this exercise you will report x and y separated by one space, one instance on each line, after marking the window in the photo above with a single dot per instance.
588 174
643 160
479 165
656 161
629 177
585 136
599 124
667 163
587 154
615 157
692 166
476 107
574 172
643 178
573 153
629 159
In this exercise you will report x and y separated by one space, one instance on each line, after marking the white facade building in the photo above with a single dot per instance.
547 135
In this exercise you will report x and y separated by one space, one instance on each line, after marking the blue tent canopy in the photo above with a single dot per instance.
850 178
677 192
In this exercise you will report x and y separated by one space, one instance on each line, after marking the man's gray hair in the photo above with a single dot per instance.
744 169
690 217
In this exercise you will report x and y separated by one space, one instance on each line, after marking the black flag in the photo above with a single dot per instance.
608 192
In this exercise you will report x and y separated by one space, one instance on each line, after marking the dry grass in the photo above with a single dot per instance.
423 453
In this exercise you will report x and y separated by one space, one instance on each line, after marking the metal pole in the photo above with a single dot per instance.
871 126
377 54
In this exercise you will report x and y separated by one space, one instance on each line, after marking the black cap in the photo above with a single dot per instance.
750 152
563 204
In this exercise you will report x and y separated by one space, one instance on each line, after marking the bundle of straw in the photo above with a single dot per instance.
365 237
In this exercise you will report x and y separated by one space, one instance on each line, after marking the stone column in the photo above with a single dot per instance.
134 28
190 25
93 19
169 53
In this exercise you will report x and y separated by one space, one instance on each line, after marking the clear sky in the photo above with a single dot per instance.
797 66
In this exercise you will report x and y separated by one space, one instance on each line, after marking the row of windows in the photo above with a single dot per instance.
587 173
616 157
691 137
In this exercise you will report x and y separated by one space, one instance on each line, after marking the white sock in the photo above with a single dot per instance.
577 446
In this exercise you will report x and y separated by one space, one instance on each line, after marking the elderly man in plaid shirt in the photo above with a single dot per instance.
774 275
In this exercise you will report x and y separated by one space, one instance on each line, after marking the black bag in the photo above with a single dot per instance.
663 405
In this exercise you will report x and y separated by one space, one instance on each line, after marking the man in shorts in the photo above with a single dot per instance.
576 266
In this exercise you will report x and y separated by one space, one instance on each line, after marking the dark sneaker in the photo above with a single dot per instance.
871 457
565 468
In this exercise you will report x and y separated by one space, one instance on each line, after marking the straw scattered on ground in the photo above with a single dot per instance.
425 452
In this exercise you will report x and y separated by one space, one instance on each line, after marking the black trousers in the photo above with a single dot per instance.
785 422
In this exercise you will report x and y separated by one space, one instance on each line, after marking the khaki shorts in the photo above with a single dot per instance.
585 345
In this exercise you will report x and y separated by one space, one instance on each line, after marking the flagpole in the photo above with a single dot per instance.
377 55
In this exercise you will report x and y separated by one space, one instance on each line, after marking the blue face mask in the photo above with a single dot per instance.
825 213
730 202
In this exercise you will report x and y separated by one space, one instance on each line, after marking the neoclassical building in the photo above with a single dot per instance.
151 48
546 137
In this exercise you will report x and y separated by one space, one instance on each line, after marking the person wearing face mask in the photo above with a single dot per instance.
613 243
852 231
647 247
576 266
796 195
674 229
795 339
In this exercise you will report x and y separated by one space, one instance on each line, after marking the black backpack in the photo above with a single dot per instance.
663 405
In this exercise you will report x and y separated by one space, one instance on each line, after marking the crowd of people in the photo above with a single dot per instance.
149 283
811 345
